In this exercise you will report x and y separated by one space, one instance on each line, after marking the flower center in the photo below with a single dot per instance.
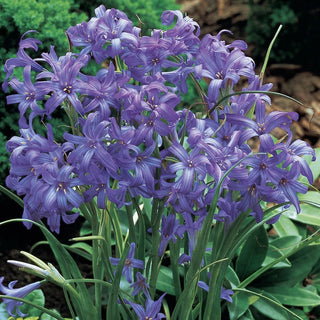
155 61
67 88
284 181
61 187
219 75
261 127
30 95
127 262
190 163
262 166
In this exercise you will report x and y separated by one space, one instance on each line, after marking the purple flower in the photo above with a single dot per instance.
13 305
129 263
123 145
294 151
64 83
140 285
84 35
143 172
225 293
55 195
265 166
222 65
27 96
228 210
170 229
189 164
192 227
22 59
184 36
150 57
113 24
24 152
161 102
151 310
263 123
91 146
101 91
288 184
241 104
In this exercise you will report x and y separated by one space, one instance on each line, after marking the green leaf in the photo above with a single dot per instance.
165 281
247 262
285 227
312 196
247 316
273 254
85 229
45 316
300 313
36 297
4 315
147 207
309 214
294 296
270 309
268 305
112 310
232 277
82 249
302 263
287 243
239 305
12 196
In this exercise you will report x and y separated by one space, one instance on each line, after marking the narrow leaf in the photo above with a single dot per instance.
294 296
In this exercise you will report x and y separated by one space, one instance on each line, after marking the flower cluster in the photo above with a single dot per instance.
133 136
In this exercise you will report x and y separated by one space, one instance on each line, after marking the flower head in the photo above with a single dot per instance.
22 59
13 305
130 263
140 285
170 229
151 310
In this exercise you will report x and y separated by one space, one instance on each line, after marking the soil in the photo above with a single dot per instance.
290 79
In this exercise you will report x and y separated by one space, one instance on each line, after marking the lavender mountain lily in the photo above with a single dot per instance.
178 184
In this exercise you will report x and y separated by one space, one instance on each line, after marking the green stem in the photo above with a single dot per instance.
268 55
174 255
96 265
213 305
223 243
157 209
130 212
142 231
